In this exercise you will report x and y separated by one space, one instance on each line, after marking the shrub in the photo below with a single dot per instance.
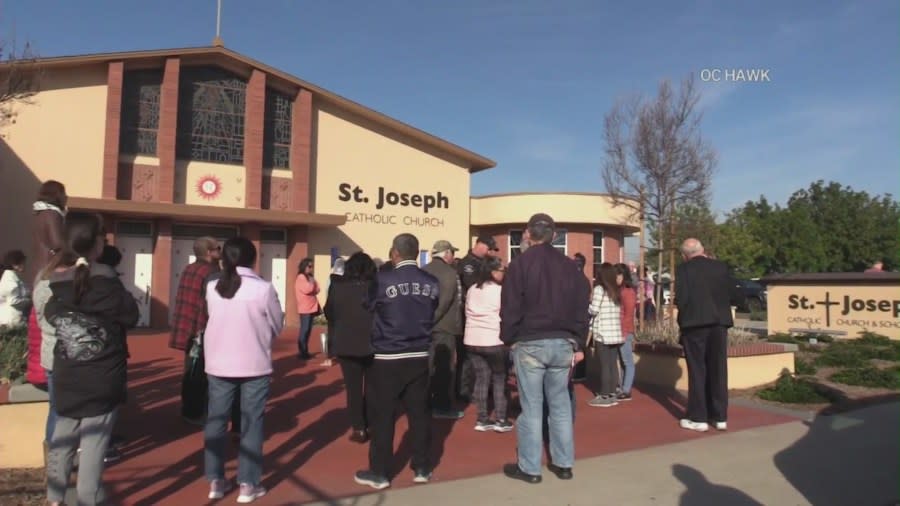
740 335
781 337
867 337
665 333
792 390
822 338
842 354
758 316
656 333
13 352
869 376
802 367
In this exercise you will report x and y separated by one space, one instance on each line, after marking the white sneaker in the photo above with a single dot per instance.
721 425
218 489
250 493
691 425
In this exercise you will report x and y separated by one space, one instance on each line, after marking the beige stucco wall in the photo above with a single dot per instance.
743 372
22 426
595 209
355 154
796 308
230 179
60 136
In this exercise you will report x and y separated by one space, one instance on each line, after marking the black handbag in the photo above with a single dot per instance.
194 383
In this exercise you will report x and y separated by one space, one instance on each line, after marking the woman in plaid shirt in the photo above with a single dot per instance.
606 327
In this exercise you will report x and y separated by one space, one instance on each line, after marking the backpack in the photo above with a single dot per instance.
80 337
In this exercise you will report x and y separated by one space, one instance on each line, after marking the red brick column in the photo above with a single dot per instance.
298 249
162 275
580 239
301 149
166 136
114 79
612 240
254 115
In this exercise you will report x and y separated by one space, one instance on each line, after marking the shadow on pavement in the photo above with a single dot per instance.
848 458
700 492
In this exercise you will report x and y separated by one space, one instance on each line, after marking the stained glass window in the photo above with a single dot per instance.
140 112
211 115
277 133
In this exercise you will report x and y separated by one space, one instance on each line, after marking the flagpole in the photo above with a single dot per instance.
217 41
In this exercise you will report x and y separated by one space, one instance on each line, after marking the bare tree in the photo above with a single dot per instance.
20 78
656 159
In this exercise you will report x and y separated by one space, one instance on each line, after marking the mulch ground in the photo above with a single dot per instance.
22 487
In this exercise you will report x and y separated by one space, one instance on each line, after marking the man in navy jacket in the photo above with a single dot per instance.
403 301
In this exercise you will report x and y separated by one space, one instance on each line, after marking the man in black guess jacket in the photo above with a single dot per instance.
403 301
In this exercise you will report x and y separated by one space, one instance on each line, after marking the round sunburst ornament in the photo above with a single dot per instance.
209 187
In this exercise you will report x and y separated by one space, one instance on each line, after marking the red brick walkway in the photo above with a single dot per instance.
307 454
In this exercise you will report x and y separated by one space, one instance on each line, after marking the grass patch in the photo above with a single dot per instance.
869 376
804 368
792 391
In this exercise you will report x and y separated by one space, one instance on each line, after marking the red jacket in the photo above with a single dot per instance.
190 307
34 373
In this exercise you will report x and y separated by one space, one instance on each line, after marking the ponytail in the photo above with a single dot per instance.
82 278
230 281
237 252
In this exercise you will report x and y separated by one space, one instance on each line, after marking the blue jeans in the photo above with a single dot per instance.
306 322
254 392
626 356
542 367
51 411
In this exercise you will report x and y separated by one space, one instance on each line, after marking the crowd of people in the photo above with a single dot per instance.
431 339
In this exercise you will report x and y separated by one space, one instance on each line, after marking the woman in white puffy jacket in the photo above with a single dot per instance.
14 299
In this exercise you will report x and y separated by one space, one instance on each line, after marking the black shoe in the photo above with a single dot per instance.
112 455
563 473
359 436
371 479
513 471
623 396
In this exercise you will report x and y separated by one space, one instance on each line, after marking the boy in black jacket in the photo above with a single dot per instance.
403 301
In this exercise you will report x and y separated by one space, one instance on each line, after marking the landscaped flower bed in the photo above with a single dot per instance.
752 361
843 370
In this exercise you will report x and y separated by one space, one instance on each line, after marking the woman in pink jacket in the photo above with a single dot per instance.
306 288
245 317
484 347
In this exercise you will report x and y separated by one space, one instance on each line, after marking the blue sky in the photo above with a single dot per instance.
527 83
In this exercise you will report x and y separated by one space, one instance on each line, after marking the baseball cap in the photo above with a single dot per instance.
488 240
442 246
542 219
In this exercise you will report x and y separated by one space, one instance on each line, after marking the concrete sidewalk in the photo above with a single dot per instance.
840 460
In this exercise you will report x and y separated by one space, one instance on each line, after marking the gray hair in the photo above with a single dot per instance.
406 246
691 247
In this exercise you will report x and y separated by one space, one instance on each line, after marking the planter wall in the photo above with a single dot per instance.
749 365
22 426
